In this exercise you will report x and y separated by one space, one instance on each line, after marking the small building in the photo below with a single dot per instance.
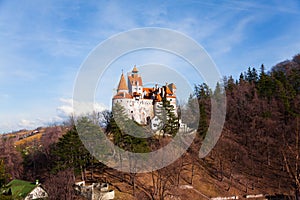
95 191
19 189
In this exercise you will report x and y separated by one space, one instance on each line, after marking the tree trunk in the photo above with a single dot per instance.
193 173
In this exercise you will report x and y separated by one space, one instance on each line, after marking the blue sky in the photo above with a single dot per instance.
44 43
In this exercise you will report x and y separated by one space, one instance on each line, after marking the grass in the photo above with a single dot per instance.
29 139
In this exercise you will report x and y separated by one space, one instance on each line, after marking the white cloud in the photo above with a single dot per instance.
67 109
27 124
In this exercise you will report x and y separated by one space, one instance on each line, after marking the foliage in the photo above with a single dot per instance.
203 94
3 175
126 132
190 112
169 118
71 153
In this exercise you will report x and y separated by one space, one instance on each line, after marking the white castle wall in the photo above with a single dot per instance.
138 110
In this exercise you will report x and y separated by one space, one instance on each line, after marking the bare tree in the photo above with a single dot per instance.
60 185
291 160
12 158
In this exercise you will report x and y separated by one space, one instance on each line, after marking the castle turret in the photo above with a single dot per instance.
135 70
135 83
122 87
122 90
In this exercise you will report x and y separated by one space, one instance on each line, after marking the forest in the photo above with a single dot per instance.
257 153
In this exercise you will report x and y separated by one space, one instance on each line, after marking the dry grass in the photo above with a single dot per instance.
29 139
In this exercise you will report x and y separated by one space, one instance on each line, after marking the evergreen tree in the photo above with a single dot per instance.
251 75
71 153
169 118
242 77
229 83
254 75
218 92
126 132
2 174
190 112
203 94
202 91
4 194
262 71
203 125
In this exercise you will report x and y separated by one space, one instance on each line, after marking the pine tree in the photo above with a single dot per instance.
251 75
71 153
5 192
190 112
242 77
202 91
126 132
171 124
262 71
3 174
203 125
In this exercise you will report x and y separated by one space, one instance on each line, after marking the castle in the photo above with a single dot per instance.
141 104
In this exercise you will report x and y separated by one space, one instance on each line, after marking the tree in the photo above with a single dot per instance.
202 91
251 75
172 124
242 77
12 157
291 160
262 71
203 125
106 118
60 185
203 94
3 175
71 153
190 112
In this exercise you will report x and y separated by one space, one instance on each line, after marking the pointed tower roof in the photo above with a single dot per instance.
172 86
168 91
135 70
122 83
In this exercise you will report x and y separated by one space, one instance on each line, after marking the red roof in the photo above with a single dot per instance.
122 95
122 84
168 91
135 70
172 85
135 78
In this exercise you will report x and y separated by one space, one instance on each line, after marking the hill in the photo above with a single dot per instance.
257 154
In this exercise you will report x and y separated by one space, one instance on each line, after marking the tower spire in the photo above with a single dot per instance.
135 70
122 84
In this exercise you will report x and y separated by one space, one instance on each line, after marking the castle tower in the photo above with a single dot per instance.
135 83
122 87
122 90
